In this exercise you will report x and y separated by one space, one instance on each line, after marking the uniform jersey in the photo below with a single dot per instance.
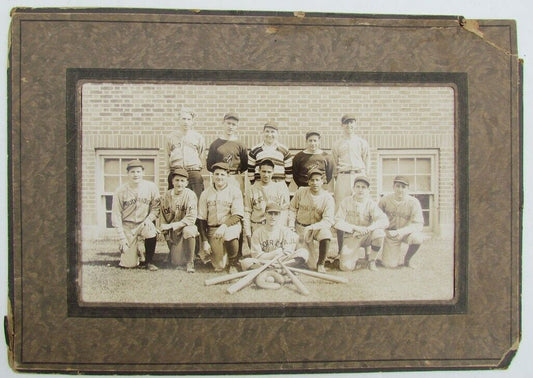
307 208
405 214
303 162
179 207
185 150
257 197
216 206
280 156
265 240
351 153
232 152
133 205
359 213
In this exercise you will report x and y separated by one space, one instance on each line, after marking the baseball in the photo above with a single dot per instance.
269 279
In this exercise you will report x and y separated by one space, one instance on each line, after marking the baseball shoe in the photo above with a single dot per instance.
204 257
372 265
151 267
321 268
190 267
409 264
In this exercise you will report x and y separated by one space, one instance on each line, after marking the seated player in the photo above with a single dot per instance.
311 215
179 207
362 223
220 211
405 224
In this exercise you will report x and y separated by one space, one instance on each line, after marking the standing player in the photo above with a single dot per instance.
362 223
311 158
312 213
135 207
227 149
405 224
220 211
259 194
350 155
179 207
271 149
185 149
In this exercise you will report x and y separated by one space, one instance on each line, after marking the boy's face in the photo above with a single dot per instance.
315 183
313 143
265 173
179 183
400 190
186 120
349 126
270 135
360 190
272 217
220 176
230 126
135 174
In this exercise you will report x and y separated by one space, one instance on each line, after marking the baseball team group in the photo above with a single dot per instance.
247 215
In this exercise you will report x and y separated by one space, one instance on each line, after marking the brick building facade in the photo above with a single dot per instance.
410 129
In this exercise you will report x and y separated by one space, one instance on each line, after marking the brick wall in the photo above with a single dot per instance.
118 116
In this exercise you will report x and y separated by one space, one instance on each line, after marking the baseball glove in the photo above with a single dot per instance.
270 280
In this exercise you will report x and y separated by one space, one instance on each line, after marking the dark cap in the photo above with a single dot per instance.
268 162
134 164
315 171
401 179
220 165
272 207
347 117
179 172
310 133
272 125
362 178
231 115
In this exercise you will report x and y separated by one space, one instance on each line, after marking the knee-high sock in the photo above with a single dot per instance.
323 247
149 246
189 244
232 248
410 253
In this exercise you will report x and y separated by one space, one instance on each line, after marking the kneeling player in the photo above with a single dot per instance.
220 211
178 215
312 214
405 224
362 223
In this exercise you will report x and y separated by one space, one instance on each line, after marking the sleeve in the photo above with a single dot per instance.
247 212
293 208
287 161
155 204
328 215
191 212
364 157
297 169
335 158
168 150
285 196
202 206
290 241
116 215
243 167
211 156
379 219
165 209
255 245
330 166
201 150
416 222
340 218
251 165
237 204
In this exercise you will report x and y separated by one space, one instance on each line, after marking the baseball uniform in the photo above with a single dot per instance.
186 150
406 217
308 209
134 210
280 156
304 161
366 213
216 207
179 210
256 199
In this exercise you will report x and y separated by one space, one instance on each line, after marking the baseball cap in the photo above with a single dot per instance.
134 164
362 178
272 125
231 115
310 133
401 179
267 162
179 172
220 165
272 207
315 171
347 117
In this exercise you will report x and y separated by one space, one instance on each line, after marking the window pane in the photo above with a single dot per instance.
424 200
111 166
426 218
111 183
108 203
423 165
407 166
108 222
423 183
390 166
148 167
387 183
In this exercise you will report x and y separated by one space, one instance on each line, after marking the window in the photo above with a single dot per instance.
419 167
111 173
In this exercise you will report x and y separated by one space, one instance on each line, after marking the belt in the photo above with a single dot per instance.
193 169
350 171
262 222
301 224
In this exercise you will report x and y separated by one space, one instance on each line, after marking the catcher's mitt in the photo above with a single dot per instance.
270 280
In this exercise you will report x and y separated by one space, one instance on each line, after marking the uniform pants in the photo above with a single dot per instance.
219 255
393 255
309 242
178 255
352 249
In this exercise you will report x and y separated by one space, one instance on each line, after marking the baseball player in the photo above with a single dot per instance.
259 194
312 214
271 149
179 207
272 238
362 223
350 156
220 211
405 224
310 158
185 149
228 149
136 206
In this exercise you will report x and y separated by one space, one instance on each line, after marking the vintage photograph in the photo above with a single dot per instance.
236 193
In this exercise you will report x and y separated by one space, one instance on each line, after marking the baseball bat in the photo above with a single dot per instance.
295 280
248 279
227 277
324 276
